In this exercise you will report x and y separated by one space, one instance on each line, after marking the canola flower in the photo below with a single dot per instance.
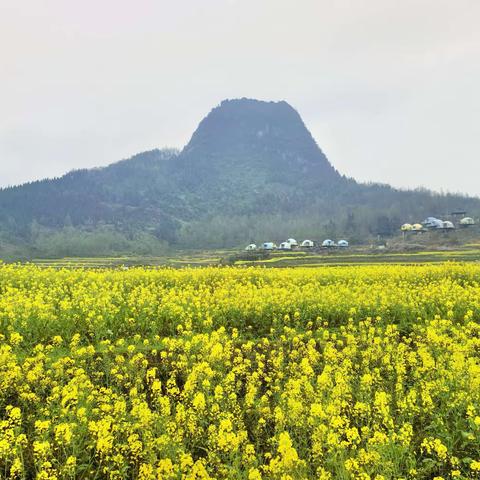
240 373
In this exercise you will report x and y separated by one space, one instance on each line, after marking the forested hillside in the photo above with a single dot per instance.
251 172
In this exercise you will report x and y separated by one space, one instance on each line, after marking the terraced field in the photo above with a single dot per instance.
176 259
280 259
180 259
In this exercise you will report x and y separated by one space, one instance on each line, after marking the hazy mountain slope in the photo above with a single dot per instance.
131 192
248 156
250 171
266 141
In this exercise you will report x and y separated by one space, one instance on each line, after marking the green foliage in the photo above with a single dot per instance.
104 240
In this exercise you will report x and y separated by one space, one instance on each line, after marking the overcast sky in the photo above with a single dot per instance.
390 89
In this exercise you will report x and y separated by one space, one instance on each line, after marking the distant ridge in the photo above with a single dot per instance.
251 170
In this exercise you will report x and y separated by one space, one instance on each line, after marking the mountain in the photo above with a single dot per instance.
266 141
251 171
251 157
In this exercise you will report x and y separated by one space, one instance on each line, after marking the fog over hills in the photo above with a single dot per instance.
251 171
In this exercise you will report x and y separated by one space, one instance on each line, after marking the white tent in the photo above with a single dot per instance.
417 227
467 221
307 244
285 246
268 246
432 222
448 225
343 243
328 243
292 242
251 247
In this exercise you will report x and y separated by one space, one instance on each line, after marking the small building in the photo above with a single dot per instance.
269 246
458 214
328 243
285 246
307 244
293 243
343 243
251 247
467 222
406 227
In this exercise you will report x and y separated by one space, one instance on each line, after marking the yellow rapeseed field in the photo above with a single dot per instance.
358 372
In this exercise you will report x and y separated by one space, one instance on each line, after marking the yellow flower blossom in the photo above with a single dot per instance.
368 372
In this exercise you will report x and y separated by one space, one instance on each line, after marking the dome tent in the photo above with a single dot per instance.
269 246
308 244
343 243
285 246
432 222
417 227
328 243
448 225
292 242
406 227
467 221
251 247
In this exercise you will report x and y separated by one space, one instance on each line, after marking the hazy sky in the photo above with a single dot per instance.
390 89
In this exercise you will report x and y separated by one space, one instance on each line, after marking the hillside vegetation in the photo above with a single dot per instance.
251 171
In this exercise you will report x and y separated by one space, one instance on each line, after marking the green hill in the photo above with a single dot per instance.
251 171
